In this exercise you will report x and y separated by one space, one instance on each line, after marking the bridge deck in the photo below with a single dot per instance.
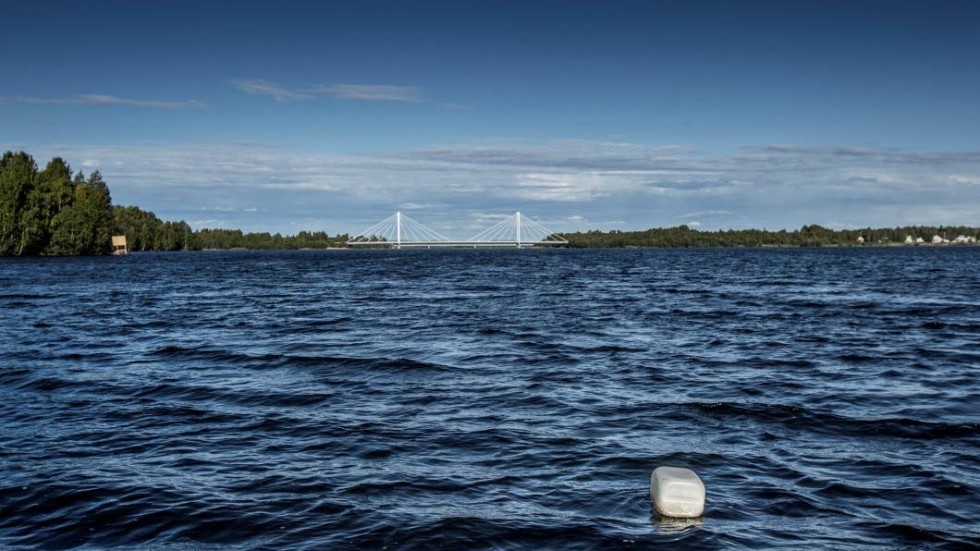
458 244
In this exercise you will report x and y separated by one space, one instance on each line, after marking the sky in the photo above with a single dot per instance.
289 116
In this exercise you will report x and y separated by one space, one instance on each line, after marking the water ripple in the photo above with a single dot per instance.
490 399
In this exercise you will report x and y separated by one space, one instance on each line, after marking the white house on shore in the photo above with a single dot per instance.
940 240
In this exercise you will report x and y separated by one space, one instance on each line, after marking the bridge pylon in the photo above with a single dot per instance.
396 231
519 231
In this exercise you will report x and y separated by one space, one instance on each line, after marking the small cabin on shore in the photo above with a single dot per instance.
119 245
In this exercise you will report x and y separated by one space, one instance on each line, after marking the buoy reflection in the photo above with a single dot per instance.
668 525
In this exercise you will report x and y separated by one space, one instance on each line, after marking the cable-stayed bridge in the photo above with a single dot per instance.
399 231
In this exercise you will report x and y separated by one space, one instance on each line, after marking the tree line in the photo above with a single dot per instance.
807 236
57 212
236 239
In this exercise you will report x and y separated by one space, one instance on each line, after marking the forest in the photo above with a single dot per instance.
807 236
56 212
51 211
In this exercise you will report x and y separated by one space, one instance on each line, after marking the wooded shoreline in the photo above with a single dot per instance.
53 212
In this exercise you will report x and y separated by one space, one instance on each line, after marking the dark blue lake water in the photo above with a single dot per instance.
829 399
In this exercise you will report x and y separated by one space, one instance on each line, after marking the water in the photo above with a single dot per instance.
490 399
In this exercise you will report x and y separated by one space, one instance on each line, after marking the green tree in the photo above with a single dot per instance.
66 233
96 203
55 192
18 174
85 227
35 218
57 178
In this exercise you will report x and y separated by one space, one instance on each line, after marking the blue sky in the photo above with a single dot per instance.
610 115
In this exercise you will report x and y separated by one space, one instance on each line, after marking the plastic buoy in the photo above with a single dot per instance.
677 492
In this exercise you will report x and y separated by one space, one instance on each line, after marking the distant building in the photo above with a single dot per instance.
909 240
860 239
937 239
965 239
919 240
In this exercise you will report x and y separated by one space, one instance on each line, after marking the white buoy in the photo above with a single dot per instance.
677 492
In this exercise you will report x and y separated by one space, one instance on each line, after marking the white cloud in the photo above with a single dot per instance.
372 92
349 92
229 209
965 180
103 100
703 213
569 185
265 88
489 216
560 187
415 206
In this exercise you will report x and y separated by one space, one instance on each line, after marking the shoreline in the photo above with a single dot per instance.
379 248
